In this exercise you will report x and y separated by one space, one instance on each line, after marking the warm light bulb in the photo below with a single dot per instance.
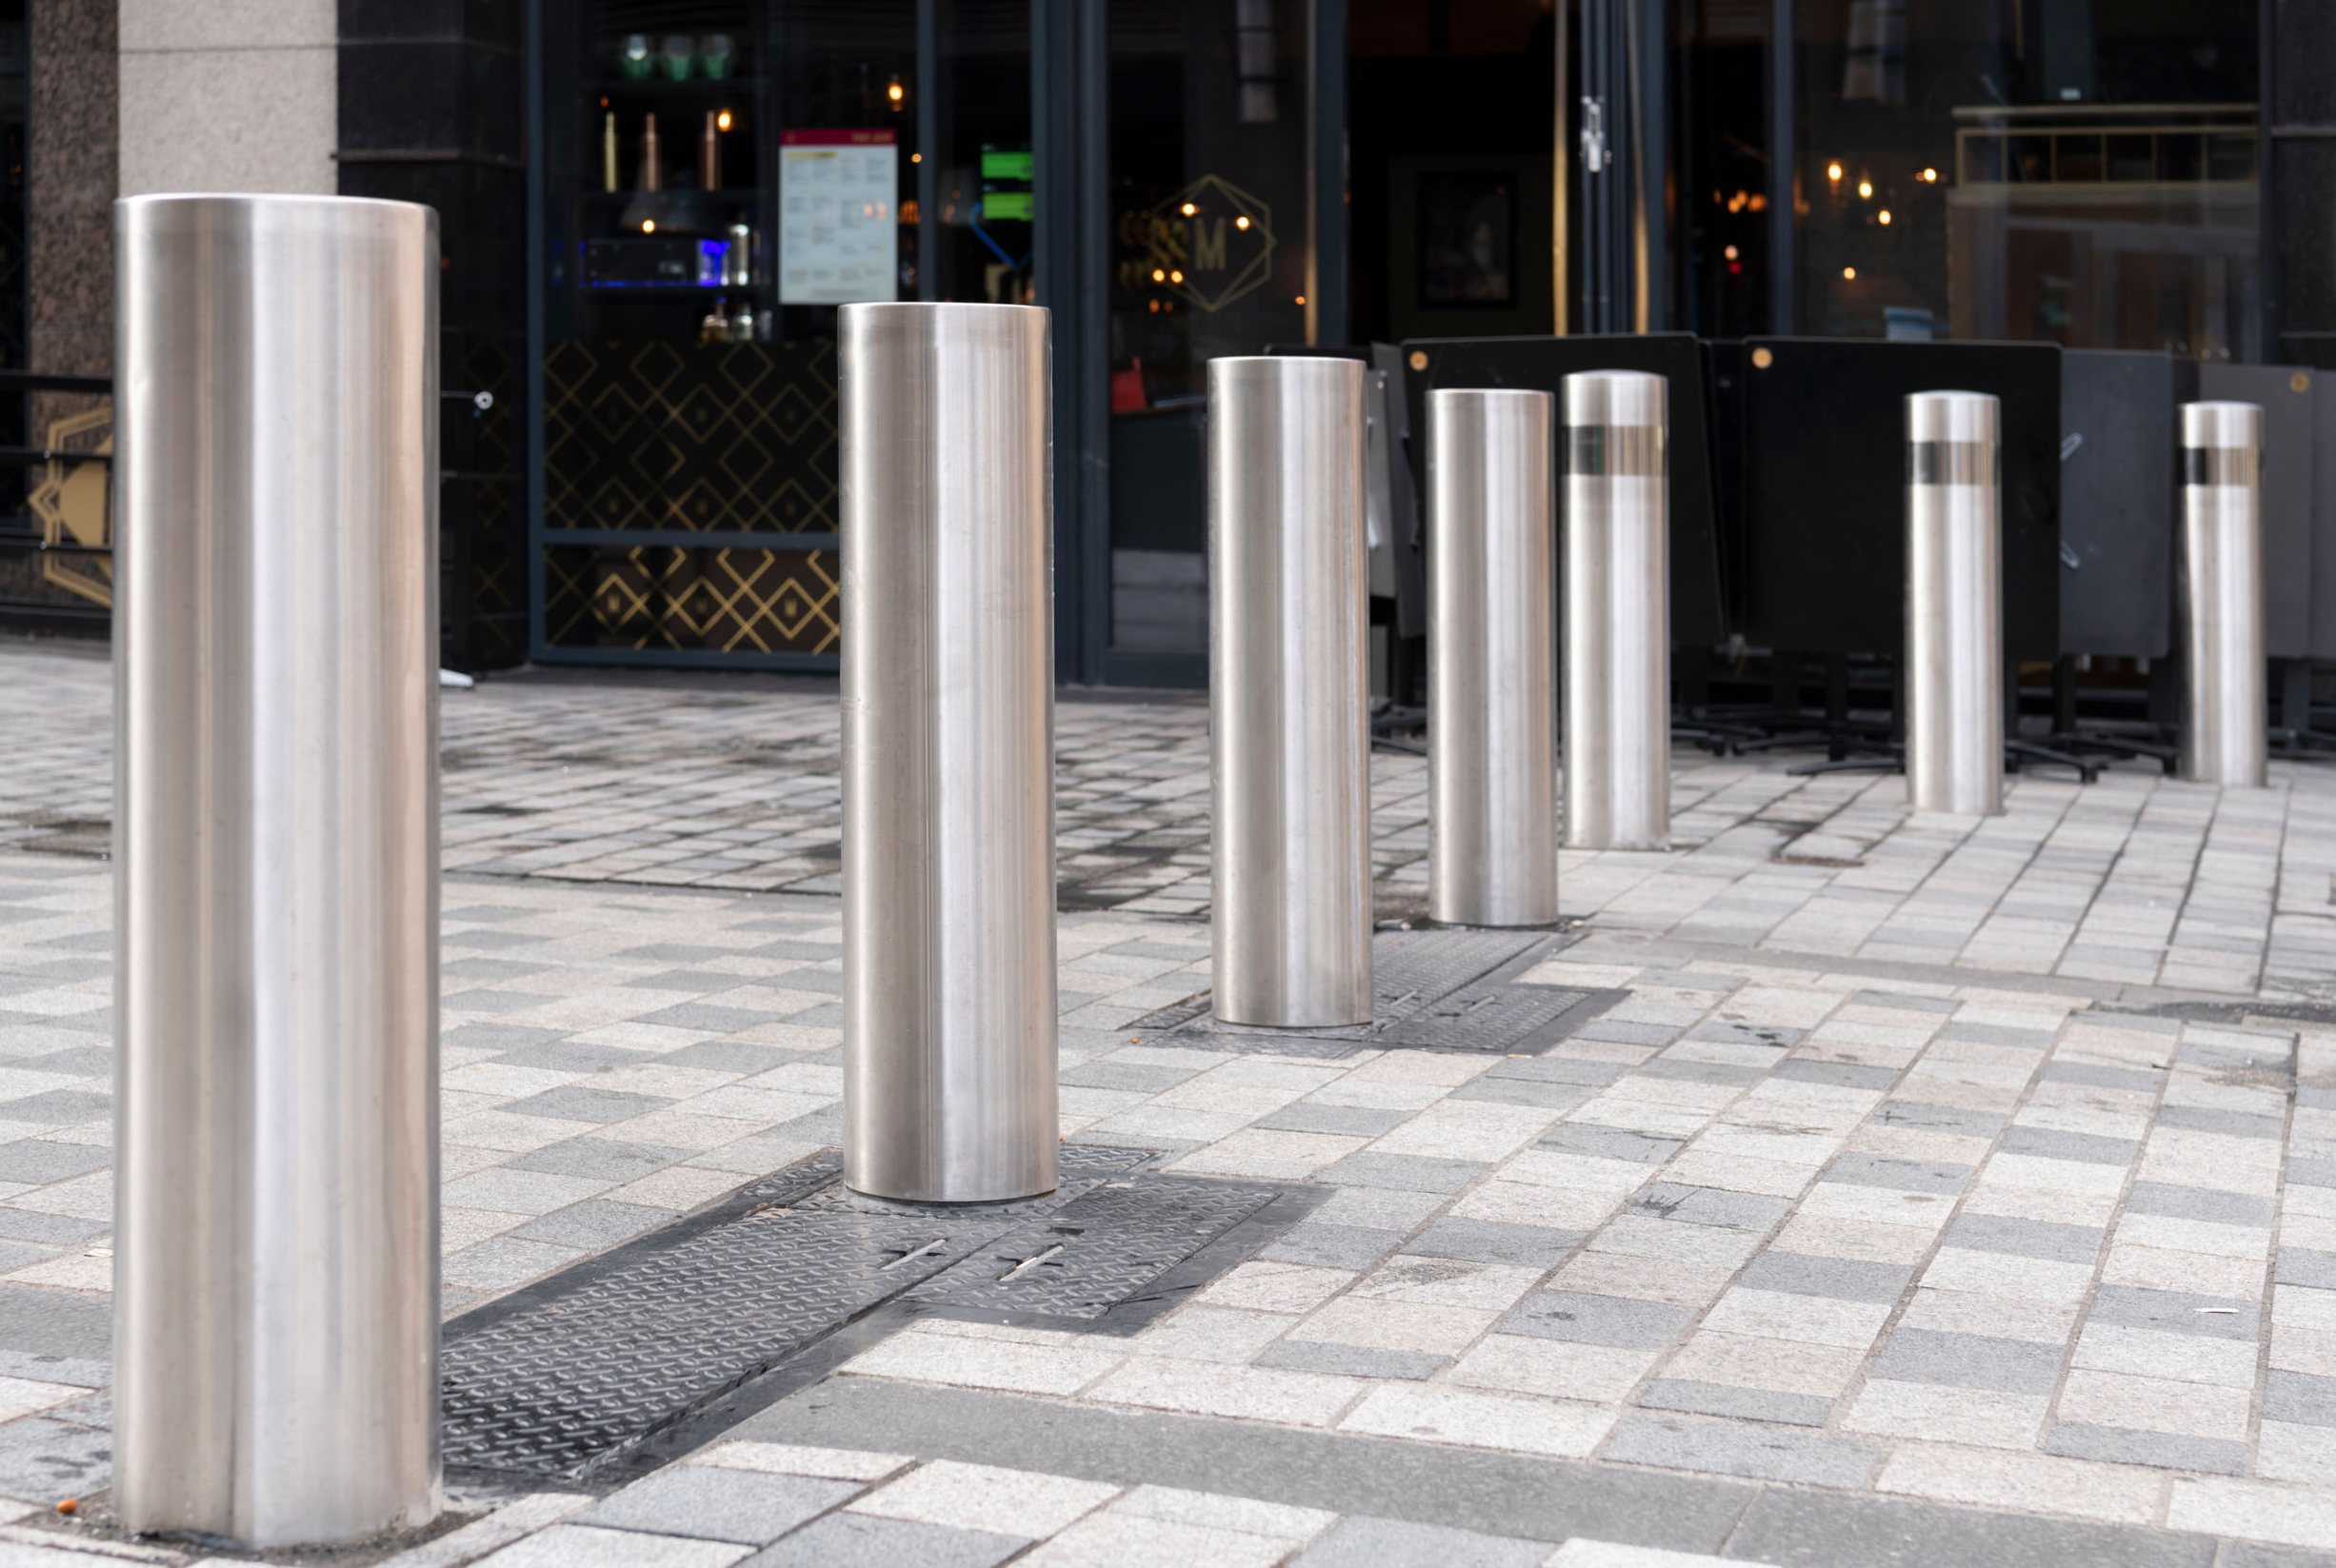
1190 209
916 157
895 91
1832 171
721 121
1158 276
1301 299
1931 177
1848 272
1730 252
648 225
1865 190
1241 223
1885 215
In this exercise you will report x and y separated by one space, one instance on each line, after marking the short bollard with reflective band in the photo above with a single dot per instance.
1618 646
1954 670
2226 713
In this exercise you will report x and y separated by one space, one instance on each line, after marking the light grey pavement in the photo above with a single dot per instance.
1975 1203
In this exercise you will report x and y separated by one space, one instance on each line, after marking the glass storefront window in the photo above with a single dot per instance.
1207 257
720 176
2028 169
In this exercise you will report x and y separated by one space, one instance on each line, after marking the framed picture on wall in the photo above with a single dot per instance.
1467 247
1467 239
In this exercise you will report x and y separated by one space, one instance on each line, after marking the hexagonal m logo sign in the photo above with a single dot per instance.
1211 242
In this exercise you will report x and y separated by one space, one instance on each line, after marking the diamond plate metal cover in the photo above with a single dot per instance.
1099 1251
1445 989
554 1389
571 1374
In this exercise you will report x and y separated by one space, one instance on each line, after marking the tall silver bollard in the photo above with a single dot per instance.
1289 723
1492 657
1954 663
2224 717
1618 639
948 768
276 867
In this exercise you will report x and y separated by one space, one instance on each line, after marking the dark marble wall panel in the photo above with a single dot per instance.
430 110
71 164
72 174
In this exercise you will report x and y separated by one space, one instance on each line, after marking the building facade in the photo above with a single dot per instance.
652 208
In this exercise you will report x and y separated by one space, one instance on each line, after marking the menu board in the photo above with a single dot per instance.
838 230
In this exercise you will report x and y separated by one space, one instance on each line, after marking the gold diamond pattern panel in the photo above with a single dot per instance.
712 438
750 600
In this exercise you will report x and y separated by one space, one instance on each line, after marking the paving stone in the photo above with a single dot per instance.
1754 1404
1710 1206
575 1102
570 1056
866 1540
56 1230
1351 1121
1598 1319
1878 1170
1611 1143
1364 1542
1143 1077
593 1225
1557 1069
1969 1361
499 1037
2225 1123
58 1107
1348 1360
1840 1074
1814 1530
1997 1034
1693 1071
1844 1279
715 1503
1332 1246
1762 1453
2024 1237
1408 1172
2311 1173
2163 1450
2175 1312
714 1019
2051 1144
1721 1033
1495 1242
2304 1266
601 1159
1917 1117
1523 1091
2094 1075
2299 1396
730 1056
38 1162
49 1459
1905 1002
2216 1208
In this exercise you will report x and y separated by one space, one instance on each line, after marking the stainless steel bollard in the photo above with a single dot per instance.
1289 723
1492 658
1618 641
276 867
1953 675
949 740
2226 714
